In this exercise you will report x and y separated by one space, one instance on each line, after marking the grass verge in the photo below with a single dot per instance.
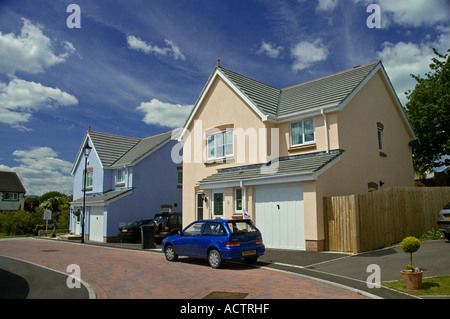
433 286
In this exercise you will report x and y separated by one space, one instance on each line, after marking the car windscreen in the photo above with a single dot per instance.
241 227
160 219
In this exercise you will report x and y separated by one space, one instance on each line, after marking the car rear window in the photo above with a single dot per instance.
241 227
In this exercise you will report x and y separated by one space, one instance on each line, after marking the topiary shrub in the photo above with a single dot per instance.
410 245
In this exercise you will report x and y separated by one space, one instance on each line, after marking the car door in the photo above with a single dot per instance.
213 234
187 244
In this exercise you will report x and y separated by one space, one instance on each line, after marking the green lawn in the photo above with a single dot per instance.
433 286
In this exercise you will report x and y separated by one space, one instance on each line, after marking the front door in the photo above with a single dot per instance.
217 204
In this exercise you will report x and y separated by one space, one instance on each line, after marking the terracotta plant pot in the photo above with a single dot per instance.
413 280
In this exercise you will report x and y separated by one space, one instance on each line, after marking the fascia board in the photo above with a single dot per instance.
303 114
299 177
80 153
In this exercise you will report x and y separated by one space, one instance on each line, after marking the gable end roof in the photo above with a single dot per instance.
10 182
118 151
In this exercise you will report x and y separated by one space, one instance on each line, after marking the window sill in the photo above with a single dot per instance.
302 147
221 160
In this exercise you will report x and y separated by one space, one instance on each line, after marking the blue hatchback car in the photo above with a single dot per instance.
216 240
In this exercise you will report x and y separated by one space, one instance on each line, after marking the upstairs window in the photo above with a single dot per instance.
120 179
10 196
89 179
220 144
302 132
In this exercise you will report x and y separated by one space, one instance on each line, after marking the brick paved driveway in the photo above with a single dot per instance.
128 274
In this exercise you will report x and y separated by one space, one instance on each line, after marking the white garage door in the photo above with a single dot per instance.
96 224
279 215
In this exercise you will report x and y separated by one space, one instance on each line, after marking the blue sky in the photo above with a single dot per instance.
135 68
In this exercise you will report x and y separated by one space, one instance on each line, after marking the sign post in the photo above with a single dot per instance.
47 217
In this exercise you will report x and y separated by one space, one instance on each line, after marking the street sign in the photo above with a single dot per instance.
47 214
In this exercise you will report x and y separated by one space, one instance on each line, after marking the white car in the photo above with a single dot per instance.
444 221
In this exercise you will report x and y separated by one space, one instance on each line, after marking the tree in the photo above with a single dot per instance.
428 110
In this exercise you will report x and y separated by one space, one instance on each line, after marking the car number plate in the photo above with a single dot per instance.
124 230
446 216
248 252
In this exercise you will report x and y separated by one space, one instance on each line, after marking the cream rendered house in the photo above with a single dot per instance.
275 153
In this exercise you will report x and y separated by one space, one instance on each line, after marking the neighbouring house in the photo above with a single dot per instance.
127 179
12 192
276 153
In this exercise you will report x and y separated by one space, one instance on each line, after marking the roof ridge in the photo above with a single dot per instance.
157 134
331 75
245 76
116 135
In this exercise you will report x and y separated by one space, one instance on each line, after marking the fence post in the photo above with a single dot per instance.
355 246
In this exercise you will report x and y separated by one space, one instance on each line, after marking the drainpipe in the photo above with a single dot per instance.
326 130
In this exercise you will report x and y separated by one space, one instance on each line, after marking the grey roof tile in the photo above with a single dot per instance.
115 150
309 95
288 166
10 182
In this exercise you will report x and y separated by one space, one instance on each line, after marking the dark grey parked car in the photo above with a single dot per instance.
444 221
167 224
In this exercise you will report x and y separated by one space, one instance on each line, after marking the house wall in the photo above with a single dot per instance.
98 175
154 184
221 106
353 129
361 163
12 204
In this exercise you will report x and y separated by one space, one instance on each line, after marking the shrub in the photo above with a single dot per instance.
410 245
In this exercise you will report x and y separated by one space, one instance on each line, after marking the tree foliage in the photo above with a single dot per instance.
428 110
31 219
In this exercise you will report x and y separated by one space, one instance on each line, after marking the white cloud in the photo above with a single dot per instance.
41 171
164 114
136 43
269 49
402 59
412 12
19 98
30 51
326 5
307 53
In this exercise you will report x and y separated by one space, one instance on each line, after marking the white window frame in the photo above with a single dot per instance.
121 176
10 197
238 211
220 144
303 132
380 138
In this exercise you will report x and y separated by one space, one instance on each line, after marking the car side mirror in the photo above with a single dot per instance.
180 233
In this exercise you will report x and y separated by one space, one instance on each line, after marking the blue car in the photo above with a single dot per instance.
216 240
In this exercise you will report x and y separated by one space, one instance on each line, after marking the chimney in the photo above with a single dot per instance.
218 63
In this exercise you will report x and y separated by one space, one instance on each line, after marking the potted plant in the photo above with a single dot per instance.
412 276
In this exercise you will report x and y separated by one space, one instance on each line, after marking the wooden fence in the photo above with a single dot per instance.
358 223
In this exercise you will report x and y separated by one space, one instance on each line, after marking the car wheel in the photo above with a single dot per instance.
214 259
170 254
251 260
